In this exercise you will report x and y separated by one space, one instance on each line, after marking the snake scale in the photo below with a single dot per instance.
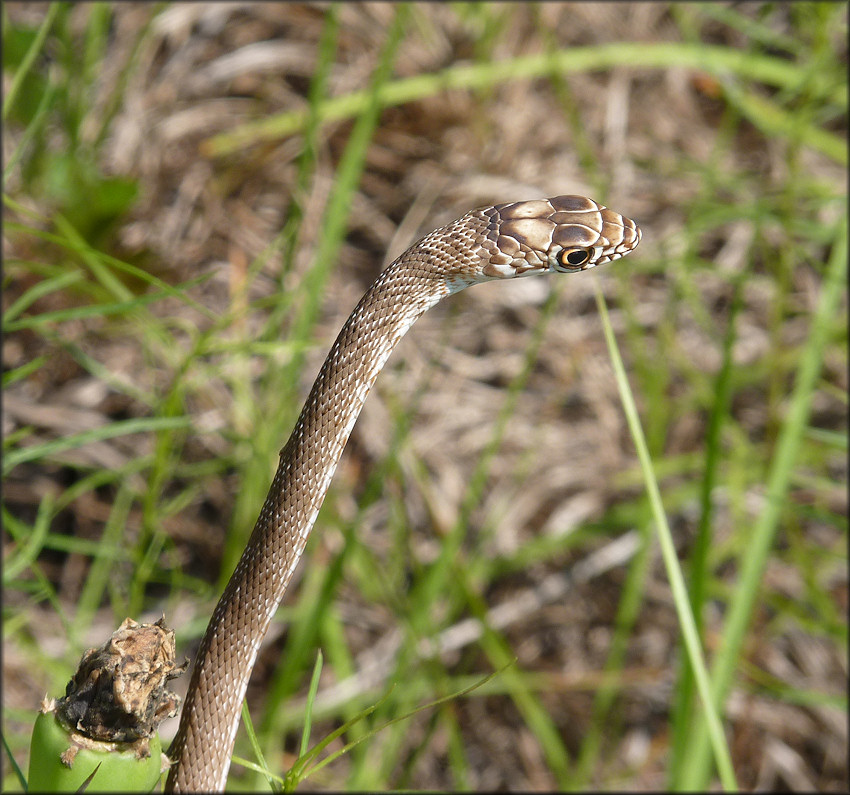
559 235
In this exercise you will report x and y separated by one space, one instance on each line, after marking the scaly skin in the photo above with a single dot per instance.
562 234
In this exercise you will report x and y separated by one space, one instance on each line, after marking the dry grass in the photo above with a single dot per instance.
557 549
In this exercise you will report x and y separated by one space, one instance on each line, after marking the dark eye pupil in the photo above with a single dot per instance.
577 257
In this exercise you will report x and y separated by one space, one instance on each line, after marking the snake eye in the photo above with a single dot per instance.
573 258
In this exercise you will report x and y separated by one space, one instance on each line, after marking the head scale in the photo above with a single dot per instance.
564 234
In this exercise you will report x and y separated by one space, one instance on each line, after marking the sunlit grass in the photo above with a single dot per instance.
793 100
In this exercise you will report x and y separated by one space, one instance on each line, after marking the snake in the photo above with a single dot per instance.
563 234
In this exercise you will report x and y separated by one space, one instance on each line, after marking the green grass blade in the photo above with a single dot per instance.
776 122
699 570
32 130
261 766
348 177
277 783
81 312
110 545
444 570
671 562
311 288
55 284
22 557
18 772
299 771
628 613
715 60
311 697
316 96
695 776
24 371
29 58
430 705
122 428
92 260
91 310
75 244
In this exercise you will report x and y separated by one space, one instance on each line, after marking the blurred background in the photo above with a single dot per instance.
195 197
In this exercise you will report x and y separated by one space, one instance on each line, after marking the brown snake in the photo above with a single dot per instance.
559 235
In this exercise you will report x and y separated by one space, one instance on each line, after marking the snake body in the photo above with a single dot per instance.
561 234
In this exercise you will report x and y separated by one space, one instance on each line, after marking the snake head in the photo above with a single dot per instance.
564 234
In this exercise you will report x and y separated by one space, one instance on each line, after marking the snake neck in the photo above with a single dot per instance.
402 293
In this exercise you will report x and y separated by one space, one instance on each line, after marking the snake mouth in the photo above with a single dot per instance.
604 260
630 237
